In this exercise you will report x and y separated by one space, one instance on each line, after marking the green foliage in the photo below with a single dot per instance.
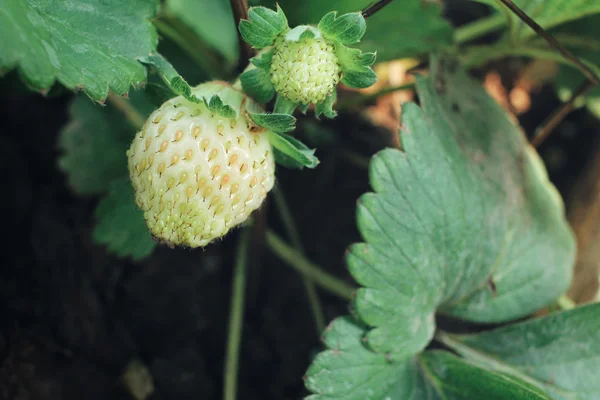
263 26
121 226
464 222
291 152
405 28
93 158
84 44
211 20
547 14
93 146
455 379
558 353
582 38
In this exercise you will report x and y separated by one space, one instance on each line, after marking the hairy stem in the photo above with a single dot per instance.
302 265
311 290
236 315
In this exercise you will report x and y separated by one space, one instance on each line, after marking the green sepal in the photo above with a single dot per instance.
263 26
347 29
303 108
303 32
257 84
274 122
355 65
326 107
169 75
359 79
263 60
291 152
284 106
216 105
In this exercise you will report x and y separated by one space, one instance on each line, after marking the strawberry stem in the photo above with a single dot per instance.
297 261
236 315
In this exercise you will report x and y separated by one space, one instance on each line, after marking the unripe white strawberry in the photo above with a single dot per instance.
305 71
197 174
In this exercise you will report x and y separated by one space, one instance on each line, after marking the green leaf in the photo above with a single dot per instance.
359 79
348 370
170 76
84 44
121 225
404 28
547 14
263 26
212 21
456 379
256 82
291 152
275 122
326 107
94 142
347 29
558 352
464 222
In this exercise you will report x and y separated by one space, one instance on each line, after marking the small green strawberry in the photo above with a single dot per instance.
306 71
200 168
303 65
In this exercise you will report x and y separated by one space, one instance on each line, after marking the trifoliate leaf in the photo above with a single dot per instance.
263 26
257 84
94 142
212 21
347 29
275 122
348 370
326 108
559 352
291 152
121 225
84 44
464 222
170 76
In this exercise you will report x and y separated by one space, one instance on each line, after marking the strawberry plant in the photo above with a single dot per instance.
198 125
